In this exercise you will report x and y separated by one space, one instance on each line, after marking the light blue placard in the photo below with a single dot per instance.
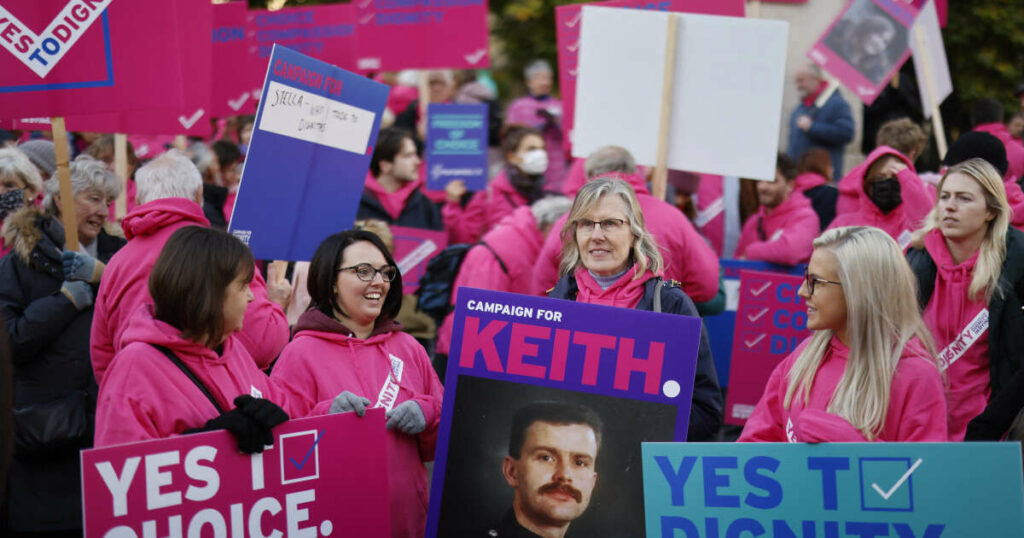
905 490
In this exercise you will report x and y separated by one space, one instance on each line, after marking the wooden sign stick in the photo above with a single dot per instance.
121 169
937 126
67 196
661 167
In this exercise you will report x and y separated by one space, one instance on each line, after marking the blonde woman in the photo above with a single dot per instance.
609 258
868 372
969 265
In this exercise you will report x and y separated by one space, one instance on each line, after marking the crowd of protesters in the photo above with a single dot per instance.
163 324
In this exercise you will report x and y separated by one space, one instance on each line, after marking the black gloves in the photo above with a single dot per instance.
250 422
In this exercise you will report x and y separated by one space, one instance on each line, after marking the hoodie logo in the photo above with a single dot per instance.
790 431
956 349
389 392
255 392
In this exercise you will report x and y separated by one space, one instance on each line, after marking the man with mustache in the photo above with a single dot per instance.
551 460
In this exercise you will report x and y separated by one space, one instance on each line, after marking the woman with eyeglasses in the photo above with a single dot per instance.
348 342
969 265
609 258
867 373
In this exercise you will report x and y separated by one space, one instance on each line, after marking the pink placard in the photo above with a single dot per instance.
323 476
414 247
771 320
569 24
396 34
193 118
64 57
326 33
865 46
232 74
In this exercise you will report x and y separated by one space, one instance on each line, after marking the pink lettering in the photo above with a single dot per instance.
474 340
593 343
559 354
9 31
79 13
650 367
62 32
518 347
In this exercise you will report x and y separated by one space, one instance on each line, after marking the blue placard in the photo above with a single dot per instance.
721 327
311 145
832 490
456 145
634 369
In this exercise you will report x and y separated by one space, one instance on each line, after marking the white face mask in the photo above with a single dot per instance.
534 162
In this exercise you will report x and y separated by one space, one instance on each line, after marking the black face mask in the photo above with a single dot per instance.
10 201
886 194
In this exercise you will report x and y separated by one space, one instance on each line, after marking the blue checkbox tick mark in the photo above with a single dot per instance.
300 465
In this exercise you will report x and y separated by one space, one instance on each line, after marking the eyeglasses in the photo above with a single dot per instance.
366 272
810 281
607 225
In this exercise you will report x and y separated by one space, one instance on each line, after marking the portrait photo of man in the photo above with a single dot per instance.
552 467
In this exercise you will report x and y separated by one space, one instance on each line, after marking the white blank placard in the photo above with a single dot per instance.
727 90
937 66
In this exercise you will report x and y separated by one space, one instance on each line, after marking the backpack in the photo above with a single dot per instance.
438 280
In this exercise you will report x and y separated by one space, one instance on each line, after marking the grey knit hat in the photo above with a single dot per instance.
41 153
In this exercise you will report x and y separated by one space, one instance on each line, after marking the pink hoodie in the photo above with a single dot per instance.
125 286
917 406
917 198
324 359
486 208
517 242
393 202
951 315
789 231
1014 150
902 220
145 396
525 111
688 258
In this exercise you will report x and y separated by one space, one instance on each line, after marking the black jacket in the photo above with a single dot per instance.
707 407
823 199
419 211
1005 330
54 387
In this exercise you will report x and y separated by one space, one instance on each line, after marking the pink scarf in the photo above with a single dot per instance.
625 292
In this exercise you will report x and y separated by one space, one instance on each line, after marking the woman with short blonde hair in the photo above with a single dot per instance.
868 372
969 265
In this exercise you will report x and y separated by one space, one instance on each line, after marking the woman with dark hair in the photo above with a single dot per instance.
520 183
349 342
181 369
814 180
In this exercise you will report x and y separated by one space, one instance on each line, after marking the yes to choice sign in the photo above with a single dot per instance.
315 480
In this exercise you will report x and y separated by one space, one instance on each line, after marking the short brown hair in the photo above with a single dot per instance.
512 135
190 277
903 136
816 160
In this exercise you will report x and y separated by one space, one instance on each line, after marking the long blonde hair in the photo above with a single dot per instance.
992 253
882 316
644 250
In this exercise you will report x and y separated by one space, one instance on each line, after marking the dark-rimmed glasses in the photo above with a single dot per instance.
607 225
810 281
366 272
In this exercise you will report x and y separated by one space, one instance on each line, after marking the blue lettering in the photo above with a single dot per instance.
676 479
831 529
36 56
781 529
867 530
769 485
786 293
713 481
227 34
933 530
828 468
423 17
743 524
784 319
782 345
671 524
54 43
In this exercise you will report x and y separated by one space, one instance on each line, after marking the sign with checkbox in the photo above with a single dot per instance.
907 490
182 484
771 321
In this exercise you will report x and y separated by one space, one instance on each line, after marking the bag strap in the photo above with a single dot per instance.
188 372
657 295
496 257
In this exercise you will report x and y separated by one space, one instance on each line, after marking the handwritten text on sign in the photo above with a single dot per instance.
195 485
306 116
